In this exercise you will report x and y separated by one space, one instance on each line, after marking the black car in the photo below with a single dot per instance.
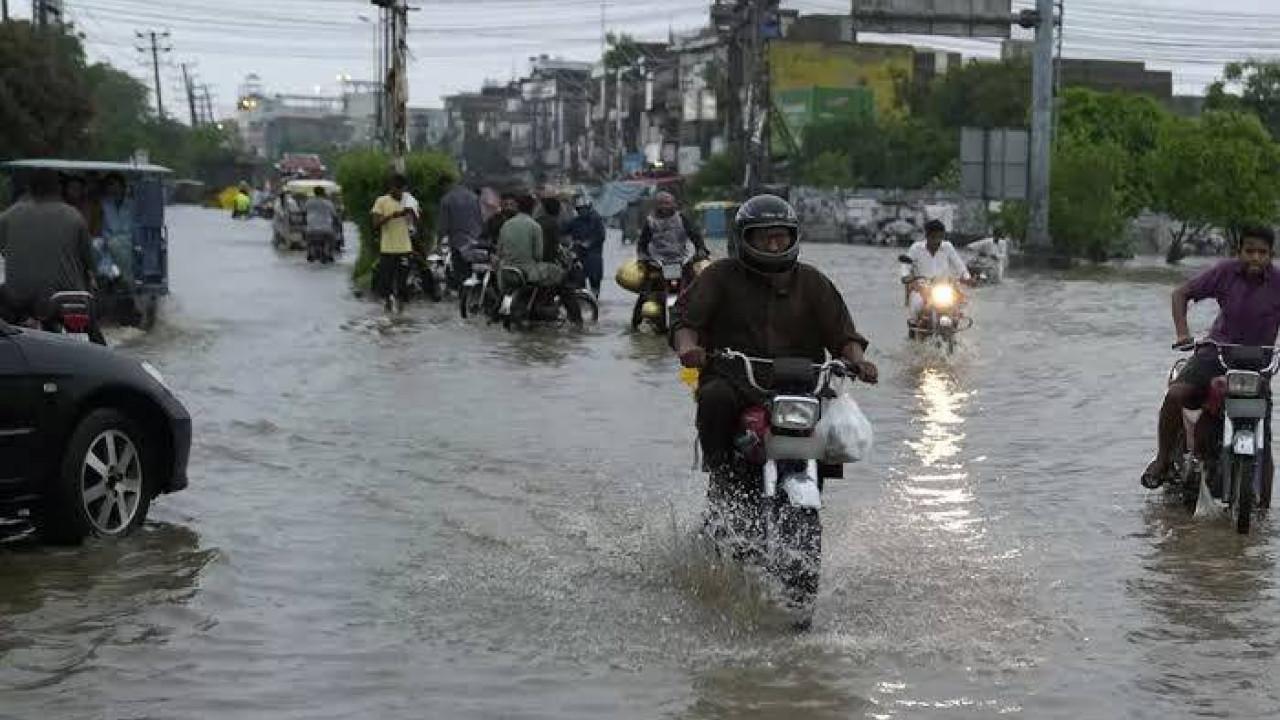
88 436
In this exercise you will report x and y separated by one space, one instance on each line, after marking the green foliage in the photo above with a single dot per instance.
1131 122
44 99
1087 213
719 178
887 152
979 94
1259 83
1222 170
364 175
830 168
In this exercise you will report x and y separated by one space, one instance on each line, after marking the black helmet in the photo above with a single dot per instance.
765 211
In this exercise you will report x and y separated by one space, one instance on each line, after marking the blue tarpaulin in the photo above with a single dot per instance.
616 196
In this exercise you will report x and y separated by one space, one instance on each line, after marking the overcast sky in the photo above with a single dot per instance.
302 45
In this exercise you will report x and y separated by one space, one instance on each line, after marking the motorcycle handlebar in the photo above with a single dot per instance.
835 366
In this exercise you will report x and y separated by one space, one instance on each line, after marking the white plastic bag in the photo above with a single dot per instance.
845 430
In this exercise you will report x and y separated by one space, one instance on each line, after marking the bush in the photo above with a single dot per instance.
1087 206
363 175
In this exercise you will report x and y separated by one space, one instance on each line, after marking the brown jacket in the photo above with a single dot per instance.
799 313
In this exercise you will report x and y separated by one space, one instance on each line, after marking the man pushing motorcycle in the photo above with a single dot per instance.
763 302
1247 290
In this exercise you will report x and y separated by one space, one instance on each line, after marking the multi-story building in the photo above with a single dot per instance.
550 126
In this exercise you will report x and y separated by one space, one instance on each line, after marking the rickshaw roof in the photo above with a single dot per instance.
86 166
294 186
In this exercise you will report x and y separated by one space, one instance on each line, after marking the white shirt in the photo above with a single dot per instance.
946 263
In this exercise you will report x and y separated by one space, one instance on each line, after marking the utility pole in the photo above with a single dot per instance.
4 10
191 94
1041 128
155 50
400 87
756 141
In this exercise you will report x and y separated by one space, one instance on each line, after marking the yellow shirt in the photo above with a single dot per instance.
395 233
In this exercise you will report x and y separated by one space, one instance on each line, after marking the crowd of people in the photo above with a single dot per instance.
540 236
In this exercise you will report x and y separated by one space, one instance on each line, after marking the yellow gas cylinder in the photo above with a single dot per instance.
690 376
631 276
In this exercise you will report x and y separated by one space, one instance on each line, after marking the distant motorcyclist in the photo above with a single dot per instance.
933 258
1247 290
667 235
588 233
761 301
461 221
46 248
323 225
520 246
242 202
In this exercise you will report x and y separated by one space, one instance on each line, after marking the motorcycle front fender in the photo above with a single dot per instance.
802 488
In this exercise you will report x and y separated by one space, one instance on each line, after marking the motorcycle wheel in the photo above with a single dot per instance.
797 561
1242 494
589 305
469 301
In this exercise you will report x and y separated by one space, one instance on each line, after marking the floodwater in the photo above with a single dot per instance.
432 519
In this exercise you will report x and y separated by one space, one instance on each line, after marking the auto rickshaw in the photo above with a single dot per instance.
289 222
133 272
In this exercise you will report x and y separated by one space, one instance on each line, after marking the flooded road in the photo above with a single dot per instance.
440 520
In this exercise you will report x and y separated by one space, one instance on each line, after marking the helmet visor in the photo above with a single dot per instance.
771 240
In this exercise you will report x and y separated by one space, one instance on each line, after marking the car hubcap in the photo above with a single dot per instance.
111 482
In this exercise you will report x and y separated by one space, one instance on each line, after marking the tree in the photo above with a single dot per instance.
1086 208
829 169
1131 122
44 100
892 152
1222 170
1259 94
979 94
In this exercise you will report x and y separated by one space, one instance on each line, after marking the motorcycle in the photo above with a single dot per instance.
321 247
67 313
436 272
770 509
657 302
524 303
1222 455
943 317
985 270
479 293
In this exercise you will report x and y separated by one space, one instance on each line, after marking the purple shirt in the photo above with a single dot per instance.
1248 310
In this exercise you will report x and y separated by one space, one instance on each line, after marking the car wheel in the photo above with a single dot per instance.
104 485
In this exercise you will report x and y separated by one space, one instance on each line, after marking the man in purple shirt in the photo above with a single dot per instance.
1247 289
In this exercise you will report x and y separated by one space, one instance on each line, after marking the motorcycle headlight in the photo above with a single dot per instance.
1242 383
795 413
943 296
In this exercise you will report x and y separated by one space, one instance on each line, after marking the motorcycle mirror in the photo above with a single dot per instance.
904 259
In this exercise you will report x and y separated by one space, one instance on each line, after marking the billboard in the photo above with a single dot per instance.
993 163
961 18
813 81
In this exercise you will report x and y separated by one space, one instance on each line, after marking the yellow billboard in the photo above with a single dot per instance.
841 66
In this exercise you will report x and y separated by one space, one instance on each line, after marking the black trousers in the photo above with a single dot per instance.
720 406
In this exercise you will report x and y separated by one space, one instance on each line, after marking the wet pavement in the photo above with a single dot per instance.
430 518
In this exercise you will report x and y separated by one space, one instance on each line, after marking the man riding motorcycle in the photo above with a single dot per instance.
1247 290
520 247
933 258
667 235
761 301
46 248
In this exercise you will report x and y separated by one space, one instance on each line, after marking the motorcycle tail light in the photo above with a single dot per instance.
75 322
1242 383
795 412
